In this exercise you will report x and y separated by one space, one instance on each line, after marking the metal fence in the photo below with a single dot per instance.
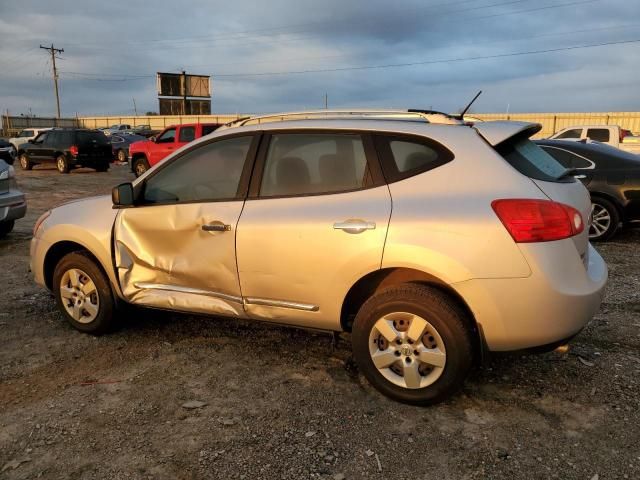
11 125
551 122
156 122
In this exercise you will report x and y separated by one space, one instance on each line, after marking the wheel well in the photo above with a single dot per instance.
55 254
368 285
613 200
136 156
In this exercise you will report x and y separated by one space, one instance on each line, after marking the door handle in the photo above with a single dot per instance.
354 226
579 176
216 227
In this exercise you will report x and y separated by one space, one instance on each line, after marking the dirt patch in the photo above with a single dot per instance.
283 403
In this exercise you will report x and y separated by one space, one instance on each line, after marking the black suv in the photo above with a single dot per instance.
68 148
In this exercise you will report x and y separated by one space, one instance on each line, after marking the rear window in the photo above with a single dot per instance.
598 134
97 137
531 160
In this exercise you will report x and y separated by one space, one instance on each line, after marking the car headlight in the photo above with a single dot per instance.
41 219
8 173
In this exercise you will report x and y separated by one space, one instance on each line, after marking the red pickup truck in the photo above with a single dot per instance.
145 154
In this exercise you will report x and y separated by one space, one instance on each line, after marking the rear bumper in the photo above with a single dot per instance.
554 303
12 206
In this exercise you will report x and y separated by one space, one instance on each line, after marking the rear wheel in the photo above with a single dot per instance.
140 165
62 164
25 162
5 228
605 220
83 294
122 156
413 344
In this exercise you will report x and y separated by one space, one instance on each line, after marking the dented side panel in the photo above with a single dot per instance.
165 259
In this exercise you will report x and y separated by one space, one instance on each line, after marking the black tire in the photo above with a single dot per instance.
25 162
140 165
104 320
600 230
102 167
443 314
62 164
6 228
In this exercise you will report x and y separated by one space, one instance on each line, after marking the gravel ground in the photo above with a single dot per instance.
270 402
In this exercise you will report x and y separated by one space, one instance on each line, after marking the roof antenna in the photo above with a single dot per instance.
466 109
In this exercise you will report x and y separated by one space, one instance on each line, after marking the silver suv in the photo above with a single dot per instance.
430 239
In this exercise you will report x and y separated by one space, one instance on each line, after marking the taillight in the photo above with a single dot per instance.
624 133
74 150
529 220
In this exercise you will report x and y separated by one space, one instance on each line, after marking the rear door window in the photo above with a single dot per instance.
531 160
568 159
187 134
312 164
598 134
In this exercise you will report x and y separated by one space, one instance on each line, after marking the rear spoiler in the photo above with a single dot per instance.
498 132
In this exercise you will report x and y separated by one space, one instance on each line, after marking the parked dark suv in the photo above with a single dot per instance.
68 148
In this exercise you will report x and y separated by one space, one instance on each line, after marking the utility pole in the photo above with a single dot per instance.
53 52
326 101
135 109
184 93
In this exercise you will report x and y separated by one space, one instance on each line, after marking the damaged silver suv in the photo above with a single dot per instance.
430 239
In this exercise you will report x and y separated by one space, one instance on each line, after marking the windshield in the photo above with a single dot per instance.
97 137
530 160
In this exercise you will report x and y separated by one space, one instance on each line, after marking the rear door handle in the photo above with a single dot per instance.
216 227
579 176
354 226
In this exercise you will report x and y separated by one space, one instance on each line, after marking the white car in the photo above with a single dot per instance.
430 240
25 135
613 135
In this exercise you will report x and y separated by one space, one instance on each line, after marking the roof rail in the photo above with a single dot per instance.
427 116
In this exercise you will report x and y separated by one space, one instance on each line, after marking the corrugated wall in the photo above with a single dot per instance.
552 122
157 122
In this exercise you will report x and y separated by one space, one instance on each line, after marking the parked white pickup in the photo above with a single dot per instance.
613 135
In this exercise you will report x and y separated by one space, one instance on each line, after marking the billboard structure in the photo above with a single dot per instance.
191 90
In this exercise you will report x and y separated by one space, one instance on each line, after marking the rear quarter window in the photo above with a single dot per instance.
406 156
532 161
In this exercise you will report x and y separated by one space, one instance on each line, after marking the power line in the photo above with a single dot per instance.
428 62
124 77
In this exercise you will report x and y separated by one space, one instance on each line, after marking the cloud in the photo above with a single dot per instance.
107 44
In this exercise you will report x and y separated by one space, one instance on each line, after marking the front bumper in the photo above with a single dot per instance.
12 206
554 303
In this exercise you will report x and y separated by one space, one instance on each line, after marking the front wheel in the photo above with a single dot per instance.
25 162
605 220
413 344
122 156
62 164
83 294
140 166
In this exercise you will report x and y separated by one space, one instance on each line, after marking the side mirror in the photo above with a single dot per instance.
122 195
153 138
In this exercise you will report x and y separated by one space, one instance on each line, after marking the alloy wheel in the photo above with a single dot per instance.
24 161
122 157
79 295
407 350
600 221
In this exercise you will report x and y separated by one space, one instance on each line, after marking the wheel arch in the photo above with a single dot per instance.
374 281
57 251
610 198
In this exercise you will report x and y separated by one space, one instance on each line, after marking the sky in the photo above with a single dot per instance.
284 55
